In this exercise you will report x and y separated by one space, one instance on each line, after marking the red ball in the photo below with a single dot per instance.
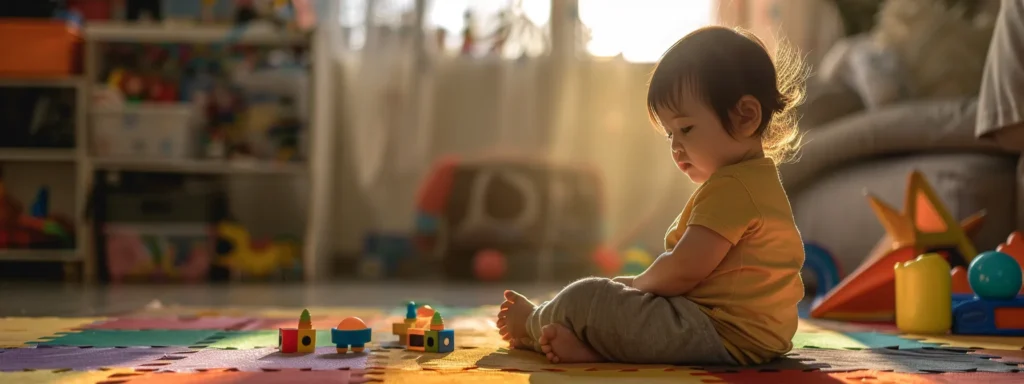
489 265
608 260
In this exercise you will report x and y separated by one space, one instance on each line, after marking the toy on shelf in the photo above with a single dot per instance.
431 338
923 295
401 329
351 332
997 309
925 226
245 256
298 340
22 230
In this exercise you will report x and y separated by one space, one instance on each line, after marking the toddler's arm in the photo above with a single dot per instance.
695 256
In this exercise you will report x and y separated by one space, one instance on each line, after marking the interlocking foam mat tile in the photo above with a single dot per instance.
60 376
124 338
15 332
256 339
234 377
223 345
486 376
979 342
81 359
881 359
1005 356
859 377
173 323
829 339
252 360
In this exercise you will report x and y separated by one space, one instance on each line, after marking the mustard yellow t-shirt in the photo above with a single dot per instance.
751 297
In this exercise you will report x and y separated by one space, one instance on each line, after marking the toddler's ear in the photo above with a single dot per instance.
746 116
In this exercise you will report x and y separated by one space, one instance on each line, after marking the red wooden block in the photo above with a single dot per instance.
288 340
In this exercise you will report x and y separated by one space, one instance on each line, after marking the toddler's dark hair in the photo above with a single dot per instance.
721 65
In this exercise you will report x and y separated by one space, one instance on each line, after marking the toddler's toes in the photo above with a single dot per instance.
545 348
502 322
549 332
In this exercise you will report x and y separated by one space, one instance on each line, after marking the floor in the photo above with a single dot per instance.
28 299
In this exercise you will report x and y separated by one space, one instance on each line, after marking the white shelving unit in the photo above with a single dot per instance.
316 169
74 260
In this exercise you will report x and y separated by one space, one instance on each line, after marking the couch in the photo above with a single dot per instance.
850 150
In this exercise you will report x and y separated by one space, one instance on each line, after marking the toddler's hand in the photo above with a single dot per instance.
627 280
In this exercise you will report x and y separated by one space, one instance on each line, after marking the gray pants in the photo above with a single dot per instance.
625 325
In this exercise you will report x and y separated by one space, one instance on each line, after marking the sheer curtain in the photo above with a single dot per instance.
580 99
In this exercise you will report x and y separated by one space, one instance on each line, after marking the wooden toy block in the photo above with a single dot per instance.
430 341
307 340
446 340
402 329
288 340
979 316
351 332
416 340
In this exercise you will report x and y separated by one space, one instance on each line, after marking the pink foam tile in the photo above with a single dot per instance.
173 323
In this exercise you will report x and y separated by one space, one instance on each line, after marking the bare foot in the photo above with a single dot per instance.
512 320
560 345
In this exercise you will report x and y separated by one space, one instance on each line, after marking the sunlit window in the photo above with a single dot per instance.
450 16
640 30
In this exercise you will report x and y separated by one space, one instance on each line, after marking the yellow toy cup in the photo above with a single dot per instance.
924 302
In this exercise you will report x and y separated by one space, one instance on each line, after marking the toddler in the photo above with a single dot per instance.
726 290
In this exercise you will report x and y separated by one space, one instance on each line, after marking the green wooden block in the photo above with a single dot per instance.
430 341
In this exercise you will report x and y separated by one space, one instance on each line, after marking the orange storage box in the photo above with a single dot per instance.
38 48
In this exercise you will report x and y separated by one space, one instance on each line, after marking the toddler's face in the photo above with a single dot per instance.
699 142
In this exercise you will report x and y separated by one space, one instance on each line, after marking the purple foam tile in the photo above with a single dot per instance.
325 358
82 359
173 323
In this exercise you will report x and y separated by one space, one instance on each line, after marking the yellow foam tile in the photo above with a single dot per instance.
570 376
59 377
16 331
964 341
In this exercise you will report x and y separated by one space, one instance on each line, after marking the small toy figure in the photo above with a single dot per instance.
298 340
133 87
402 329
351 332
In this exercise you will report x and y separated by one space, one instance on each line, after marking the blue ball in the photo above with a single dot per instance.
994 275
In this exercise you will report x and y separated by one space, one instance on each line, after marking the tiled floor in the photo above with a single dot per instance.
25 299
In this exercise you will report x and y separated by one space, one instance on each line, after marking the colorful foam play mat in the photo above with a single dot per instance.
235 345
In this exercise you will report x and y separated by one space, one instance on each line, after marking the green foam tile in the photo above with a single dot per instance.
258 339
854 340
148 338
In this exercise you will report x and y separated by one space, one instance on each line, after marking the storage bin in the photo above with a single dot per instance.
38 48
161 131
180 252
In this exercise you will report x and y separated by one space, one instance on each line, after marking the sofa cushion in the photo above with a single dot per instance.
939 126
834 212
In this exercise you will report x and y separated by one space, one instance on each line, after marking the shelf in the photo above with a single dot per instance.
40 255
42 82
212 34
200 166
37 154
